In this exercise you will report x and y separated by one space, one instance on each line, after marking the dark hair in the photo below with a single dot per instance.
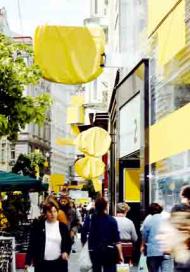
155 208
185 192
100 205
48 205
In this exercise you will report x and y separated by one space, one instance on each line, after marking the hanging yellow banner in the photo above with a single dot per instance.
57 180
89 167
69 55
97 185
94 141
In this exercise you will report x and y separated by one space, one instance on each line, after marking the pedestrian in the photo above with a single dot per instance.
126 226
50 242
157 260
127 231
175 236
103 240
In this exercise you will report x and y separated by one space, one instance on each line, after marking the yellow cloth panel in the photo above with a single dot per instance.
157 10
132 185
64 141
69 55
97 185
75 115
57 180
89 167
172 34
74 130
94 141
77 100
171 135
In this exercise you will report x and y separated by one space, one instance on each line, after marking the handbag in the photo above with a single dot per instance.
142 267
29 269
122 267
84 259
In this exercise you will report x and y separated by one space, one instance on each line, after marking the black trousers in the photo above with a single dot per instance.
97 267
58 265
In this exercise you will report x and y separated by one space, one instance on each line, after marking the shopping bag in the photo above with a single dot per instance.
85 263
142 267
29 269
122 267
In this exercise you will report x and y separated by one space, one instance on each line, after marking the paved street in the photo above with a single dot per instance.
74 258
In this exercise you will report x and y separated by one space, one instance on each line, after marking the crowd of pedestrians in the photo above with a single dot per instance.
165 235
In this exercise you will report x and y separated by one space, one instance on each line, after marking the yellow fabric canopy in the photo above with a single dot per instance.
97 185
89 167
74 129
69 55
75 115
94 141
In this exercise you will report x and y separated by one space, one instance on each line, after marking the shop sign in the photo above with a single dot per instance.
129 127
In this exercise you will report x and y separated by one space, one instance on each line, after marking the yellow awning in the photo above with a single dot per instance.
157 10
172 34
69 55
171 135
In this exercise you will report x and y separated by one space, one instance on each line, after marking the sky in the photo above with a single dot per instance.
38 12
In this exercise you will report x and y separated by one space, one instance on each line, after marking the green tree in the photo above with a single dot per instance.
17 109
31 164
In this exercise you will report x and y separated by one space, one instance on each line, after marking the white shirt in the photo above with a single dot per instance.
53 241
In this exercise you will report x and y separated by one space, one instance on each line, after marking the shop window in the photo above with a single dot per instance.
167 177
12 149
3 152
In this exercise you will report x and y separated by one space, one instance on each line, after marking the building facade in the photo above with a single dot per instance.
62 157
153 43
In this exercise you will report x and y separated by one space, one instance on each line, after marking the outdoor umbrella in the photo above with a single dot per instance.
13 182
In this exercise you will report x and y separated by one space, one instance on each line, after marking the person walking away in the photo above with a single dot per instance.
157 261
50 242
127 230
175 238
104 241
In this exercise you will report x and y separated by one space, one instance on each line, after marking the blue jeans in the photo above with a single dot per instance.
160 264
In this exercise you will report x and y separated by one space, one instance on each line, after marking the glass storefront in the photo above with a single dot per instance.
167 177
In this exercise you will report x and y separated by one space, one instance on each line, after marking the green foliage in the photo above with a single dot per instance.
28 163
16 208
36 158
17 109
